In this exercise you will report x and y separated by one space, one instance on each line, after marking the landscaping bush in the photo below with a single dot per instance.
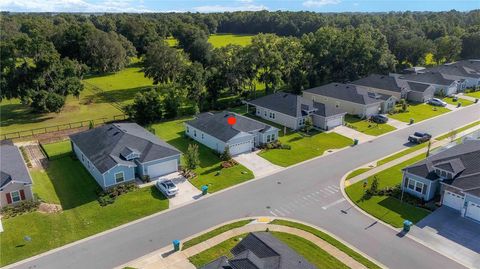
19 209
108 196
226 156
275 145
229 163
145 179
25 157
187 173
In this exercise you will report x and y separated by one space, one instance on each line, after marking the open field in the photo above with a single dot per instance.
367 127
419 112
220 40
68 183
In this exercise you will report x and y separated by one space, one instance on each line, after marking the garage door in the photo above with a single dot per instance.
334 122
453 200
160 169
242 147
473 211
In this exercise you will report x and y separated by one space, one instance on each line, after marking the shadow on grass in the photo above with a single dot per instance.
20 114
156 194
121 95
406 211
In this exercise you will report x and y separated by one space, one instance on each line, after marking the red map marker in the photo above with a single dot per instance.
231 120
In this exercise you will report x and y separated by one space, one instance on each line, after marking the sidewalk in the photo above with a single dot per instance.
163 259
466 97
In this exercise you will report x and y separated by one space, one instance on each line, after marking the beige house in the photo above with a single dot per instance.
15 180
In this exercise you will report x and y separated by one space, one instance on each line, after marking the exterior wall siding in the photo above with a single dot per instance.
27 189
128 173
471 198
432 186
141 169
280 118
92 169
207 139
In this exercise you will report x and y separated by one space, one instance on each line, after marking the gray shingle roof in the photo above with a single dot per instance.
220 263
428 77
13 167
463 160
104 145
380 82
456 69
418 87
217 126
326 110
348 92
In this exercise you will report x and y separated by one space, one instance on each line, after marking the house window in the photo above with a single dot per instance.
265 113
83 158
15 196
195 133
258 112
202 135
444 174
419 187
273 115
273 137
119 177
449 175
411 184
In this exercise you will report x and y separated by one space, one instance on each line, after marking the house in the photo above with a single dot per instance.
353 99
441 84
15 180
453 173
120 152
420 92
385 85
214 131
467 72
292 110
261 250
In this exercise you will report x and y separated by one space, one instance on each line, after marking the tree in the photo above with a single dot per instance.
193 80
226 156
172 100
162 63
308 124
470 47
448 48
194 42
192 157
43 101
146 108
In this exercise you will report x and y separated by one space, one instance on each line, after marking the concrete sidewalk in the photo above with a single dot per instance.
463 96
166 258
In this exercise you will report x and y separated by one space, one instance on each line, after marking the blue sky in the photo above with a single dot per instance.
234 5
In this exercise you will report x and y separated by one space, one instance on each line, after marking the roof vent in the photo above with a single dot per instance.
116 133
336 85
347 87
109 129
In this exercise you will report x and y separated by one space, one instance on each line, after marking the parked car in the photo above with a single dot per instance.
379 118
419 138
167 187
437 102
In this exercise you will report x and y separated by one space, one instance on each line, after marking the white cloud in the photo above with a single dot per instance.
249 6
356 4
320 3
72 6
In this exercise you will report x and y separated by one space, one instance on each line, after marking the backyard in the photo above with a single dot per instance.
67 183
387 208
367 127
419 112
209 172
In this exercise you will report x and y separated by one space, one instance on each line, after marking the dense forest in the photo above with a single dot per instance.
45 56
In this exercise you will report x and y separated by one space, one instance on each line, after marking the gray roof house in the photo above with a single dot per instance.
15 180
291 110
261 250
420 92
467 72
213 131
453 173
353 99
442 84
120 152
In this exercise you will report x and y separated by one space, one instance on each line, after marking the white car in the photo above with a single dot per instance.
437 102
167 187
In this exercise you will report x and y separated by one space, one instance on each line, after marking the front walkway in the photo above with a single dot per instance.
353 134
258 165
462 95
167 259
397 124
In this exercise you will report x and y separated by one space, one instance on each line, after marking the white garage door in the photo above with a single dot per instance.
242 147
334 122
473 211
453 200
160 169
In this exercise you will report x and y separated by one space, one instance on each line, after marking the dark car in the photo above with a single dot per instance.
419 138
379 118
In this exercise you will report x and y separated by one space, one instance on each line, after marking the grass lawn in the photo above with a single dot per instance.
358 172
311 252
459 130
385 208
213 253
366 127
58 149
68 183
329 239
209 171
402 153
220 40
304 147
474 94
419 112
215 232
464 102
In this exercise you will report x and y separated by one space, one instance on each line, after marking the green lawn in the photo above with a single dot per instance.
358 172
58 149
304 147
402 153
459 130
68 183
213 253
311 252
220 40
329 239
474 94
419 112
209 171
385 208
215 232
464 102
367 127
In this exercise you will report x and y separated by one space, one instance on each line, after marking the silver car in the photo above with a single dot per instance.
437 102
167 187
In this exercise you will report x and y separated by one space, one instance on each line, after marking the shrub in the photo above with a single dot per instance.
192 158
229 163
286 146
108 196
226 156
145 179
187 173
19 209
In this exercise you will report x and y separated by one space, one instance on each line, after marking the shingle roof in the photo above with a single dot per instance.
217 126
13 167
418 87
428 77
456 69
380 82
463 160
348 92
104 145
220 263
326 110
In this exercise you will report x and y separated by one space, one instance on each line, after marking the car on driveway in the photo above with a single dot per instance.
379 118
437 102
419 138
167 187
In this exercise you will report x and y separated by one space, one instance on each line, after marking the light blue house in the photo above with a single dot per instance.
119 153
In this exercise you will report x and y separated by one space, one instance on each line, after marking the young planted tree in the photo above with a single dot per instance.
226 156
308 124
192 157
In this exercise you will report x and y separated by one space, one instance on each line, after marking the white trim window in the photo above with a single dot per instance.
415 186
15 196
119 177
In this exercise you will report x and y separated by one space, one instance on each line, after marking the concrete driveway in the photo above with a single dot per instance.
448 233
258 165
186 193
353 134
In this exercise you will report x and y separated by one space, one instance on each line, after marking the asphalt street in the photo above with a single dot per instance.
309 192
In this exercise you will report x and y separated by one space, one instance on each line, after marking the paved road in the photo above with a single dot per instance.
308 192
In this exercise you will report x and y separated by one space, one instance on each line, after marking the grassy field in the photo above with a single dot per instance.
215 232
58 149
385 208
366 127
464 102
209 171
220 40
474 94
419 112
66 182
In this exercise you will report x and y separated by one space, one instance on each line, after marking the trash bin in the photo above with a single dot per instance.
176 245
476 100
406 225
204 189
355 142
459 104
455 99
412 121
